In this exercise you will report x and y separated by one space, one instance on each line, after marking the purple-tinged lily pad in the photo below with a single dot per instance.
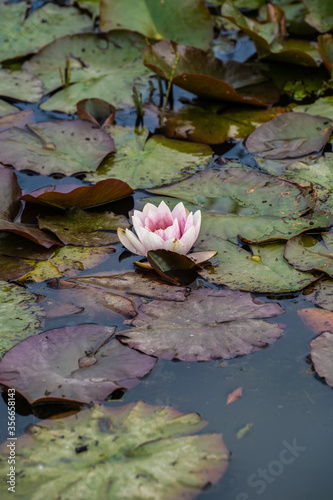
78 363
210 324
63 146
208 76
19 119
322 356
290 135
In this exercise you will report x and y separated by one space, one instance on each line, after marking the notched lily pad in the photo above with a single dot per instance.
210 324
68 196
306 253
134 451
97 111
321 293
207 76
63 146
290 135
322 356
77 363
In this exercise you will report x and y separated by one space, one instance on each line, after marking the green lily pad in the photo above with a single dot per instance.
80 228
171 20
66 261
319 14
96 69
321 107
325 47
68 195
269 42
155 162
259 229
91 5
290 135
321 293
79 363
264 270
306 253
322 356
210 324
21 316
17 119
134 451
20 36
7 109
61 146
243 192
20 85
208 76
209 124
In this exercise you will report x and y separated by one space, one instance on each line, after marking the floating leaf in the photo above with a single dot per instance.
134 451
306 253
78 363
234 395
317 320
264 270
21 316
67 196
174 267
322 356
321 107
67 261
20 85
243 431
325 47
290 135
16 246
319 14
10 268
243 192
207 76
210 324
97 69
171 20
64 147
97 111
146 163
321 293
20 119
22 36
213 124
6 108
77 227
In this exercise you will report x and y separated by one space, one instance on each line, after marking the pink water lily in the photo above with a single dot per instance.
159 228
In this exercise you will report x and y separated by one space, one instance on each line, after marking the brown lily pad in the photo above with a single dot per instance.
322 356
78 363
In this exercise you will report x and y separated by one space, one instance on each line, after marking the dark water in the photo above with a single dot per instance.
287 453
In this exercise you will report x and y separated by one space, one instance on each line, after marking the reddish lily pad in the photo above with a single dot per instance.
322 356
136 451
171 20
325 47
80 228
318 320
290 135
77 363
97 111
210 324
83 197
11 269
207 76
64 147
19 119
321 293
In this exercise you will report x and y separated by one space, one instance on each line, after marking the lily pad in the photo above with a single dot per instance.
317 320
321 107
134 451
77 227
319 14
264 270
290 135
21 316
146 163
243 192
7 109
259 229
77 363
61 146
210 324
68 196
171 20
13 245
18 119
11 269
97 69
325 47
213 125
322 356
97 111
270 42
306 253
20 85
174 267
21 36
321 293
208 76
66 261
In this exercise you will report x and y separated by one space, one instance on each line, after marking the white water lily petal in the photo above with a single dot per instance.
153 241
188 238
179 213
175 246
121 233
197 222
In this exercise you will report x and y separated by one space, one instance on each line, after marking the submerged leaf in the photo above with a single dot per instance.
318 320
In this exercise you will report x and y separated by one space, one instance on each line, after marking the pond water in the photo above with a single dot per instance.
287 451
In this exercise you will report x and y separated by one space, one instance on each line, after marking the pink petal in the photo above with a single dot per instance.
172 231
153 241
137 220
197 222
189 222
131 242
165 215
188 238
179 213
